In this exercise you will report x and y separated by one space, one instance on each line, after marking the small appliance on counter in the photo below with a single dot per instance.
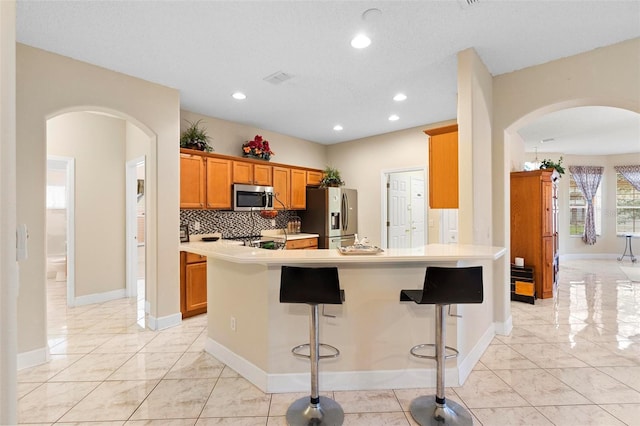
331 213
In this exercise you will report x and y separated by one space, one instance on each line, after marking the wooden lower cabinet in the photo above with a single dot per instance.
303 244
193 284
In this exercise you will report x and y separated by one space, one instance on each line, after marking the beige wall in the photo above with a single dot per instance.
608 243
49 85
227 138
8 265
97 142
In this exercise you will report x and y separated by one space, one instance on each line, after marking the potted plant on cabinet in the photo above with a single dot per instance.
331 177
193 137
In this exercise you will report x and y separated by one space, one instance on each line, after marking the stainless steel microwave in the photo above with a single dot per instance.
252 198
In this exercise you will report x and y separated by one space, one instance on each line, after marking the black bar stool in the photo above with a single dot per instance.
313 286
443 286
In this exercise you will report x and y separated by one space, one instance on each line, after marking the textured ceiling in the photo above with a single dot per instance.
209 49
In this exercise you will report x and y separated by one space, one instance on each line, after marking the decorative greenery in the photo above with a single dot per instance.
549 164
194 137
331 177
257 148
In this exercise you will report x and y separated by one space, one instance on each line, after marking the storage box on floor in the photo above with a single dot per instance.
522 284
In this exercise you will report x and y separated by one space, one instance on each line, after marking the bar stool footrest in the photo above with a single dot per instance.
426 411
296 349
453 352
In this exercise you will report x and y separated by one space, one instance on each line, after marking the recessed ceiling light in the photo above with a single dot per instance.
394 117
360 41
239 96
400 97
337 127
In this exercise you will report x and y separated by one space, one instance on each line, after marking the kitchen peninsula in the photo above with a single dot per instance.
250 331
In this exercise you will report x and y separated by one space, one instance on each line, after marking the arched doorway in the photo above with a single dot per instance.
99 261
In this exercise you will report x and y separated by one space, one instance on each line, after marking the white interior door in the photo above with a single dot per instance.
398 211
449 226
417 206
132 231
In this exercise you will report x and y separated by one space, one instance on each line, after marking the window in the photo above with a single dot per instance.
627 207
578 209
56 197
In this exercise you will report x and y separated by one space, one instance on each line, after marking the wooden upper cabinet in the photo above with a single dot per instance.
192 182
218 183
443 167
251 174
314 178
262 175
281 187
242 172
298 189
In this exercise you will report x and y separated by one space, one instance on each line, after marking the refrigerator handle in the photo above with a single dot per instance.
345 212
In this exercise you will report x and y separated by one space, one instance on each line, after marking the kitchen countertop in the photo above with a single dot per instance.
429 253
278 233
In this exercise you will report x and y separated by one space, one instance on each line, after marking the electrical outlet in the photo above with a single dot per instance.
196 225
273 222
232 323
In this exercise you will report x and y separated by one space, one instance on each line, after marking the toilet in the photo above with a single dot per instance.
57 267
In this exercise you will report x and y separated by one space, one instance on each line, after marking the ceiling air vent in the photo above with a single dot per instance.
468 3
277 77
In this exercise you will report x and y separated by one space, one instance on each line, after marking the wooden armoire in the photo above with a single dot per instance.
534 225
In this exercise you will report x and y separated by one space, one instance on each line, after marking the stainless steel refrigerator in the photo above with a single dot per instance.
333 214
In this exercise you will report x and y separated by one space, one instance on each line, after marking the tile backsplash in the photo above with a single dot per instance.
231 224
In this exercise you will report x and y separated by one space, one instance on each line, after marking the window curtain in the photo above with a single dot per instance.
587 179
630 173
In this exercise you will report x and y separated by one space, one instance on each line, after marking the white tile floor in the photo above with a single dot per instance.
571 360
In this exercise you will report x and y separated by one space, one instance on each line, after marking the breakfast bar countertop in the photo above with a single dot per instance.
428 253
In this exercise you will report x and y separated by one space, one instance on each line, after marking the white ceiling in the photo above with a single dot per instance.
210 49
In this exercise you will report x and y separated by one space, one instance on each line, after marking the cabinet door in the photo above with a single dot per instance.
262 175
298 189
242 172
314 178
192 181
443 167
547 268
281 186
218 183
547 208
196 286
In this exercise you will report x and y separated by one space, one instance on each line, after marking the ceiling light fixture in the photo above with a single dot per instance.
360 41
239 96
400 97
337 127
547 140
394 117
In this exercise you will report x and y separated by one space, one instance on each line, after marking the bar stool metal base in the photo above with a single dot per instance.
326 413
426 411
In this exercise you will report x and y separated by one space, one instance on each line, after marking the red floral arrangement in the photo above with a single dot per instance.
257 148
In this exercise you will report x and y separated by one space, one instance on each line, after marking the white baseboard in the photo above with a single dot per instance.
504 328
329 380
163 323
586 256
467 364
32 358
99 297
